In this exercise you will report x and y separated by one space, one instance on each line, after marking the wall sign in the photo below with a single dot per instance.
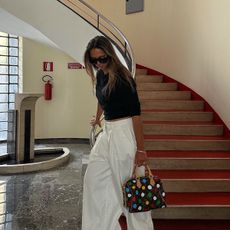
48 66
75 65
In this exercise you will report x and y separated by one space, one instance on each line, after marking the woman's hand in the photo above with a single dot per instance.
95 122
140 158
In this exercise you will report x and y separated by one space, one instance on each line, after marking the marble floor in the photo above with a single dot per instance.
47 200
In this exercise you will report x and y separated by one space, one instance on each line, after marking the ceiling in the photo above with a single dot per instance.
13 25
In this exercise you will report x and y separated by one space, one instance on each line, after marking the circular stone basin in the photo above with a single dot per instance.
45 158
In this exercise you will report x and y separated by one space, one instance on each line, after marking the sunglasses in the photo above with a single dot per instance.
102 60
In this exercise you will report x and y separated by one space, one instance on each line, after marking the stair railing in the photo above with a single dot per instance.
105 26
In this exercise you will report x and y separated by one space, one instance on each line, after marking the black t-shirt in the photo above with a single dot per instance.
123 100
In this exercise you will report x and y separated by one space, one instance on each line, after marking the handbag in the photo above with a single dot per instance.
144 193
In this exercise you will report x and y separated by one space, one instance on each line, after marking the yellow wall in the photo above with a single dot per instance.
188 40
68 114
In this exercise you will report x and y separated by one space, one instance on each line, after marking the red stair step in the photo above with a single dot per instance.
196 198
187 154
182 137
190 225
192 174
180 122
185 224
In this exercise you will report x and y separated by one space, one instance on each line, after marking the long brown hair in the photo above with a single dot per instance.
115 67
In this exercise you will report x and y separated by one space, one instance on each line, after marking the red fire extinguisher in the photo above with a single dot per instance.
48 87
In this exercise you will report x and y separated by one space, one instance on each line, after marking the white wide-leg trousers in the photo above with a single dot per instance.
111 163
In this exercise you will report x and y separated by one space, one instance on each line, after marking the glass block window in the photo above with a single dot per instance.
9 77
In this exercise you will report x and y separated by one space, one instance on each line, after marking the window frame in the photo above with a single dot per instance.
11 84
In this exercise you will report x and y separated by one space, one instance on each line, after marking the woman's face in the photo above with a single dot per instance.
99 59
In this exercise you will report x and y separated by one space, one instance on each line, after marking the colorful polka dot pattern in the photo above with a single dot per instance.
144 193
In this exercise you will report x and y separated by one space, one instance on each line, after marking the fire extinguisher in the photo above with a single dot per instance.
48 87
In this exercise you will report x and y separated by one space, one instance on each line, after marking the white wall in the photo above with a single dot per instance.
57 23
68 114
188 40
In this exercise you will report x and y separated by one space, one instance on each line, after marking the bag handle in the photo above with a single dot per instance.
148 173
147 170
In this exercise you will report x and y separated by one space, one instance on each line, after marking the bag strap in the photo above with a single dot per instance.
147 170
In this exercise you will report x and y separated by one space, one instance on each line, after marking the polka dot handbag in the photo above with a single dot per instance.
144 193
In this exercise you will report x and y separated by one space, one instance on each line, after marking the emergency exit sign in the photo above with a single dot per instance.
75 65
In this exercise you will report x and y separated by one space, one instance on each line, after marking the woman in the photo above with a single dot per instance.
118 147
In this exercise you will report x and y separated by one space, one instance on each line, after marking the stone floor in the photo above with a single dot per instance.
45 200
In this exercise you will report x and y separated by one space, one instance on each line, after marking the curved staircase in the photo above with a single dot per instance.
188 150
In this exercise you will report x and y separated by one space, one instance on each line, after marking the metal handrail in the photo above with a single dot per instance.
122 44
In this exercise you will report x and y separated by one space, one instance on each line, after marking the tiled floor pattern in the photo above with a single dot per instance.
47 200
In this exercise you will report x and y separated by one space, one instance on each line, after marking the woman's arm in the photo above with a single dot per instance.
141 156
97 120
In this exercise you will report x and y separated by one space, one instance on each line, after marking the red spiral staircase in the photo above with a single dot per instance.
188 147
